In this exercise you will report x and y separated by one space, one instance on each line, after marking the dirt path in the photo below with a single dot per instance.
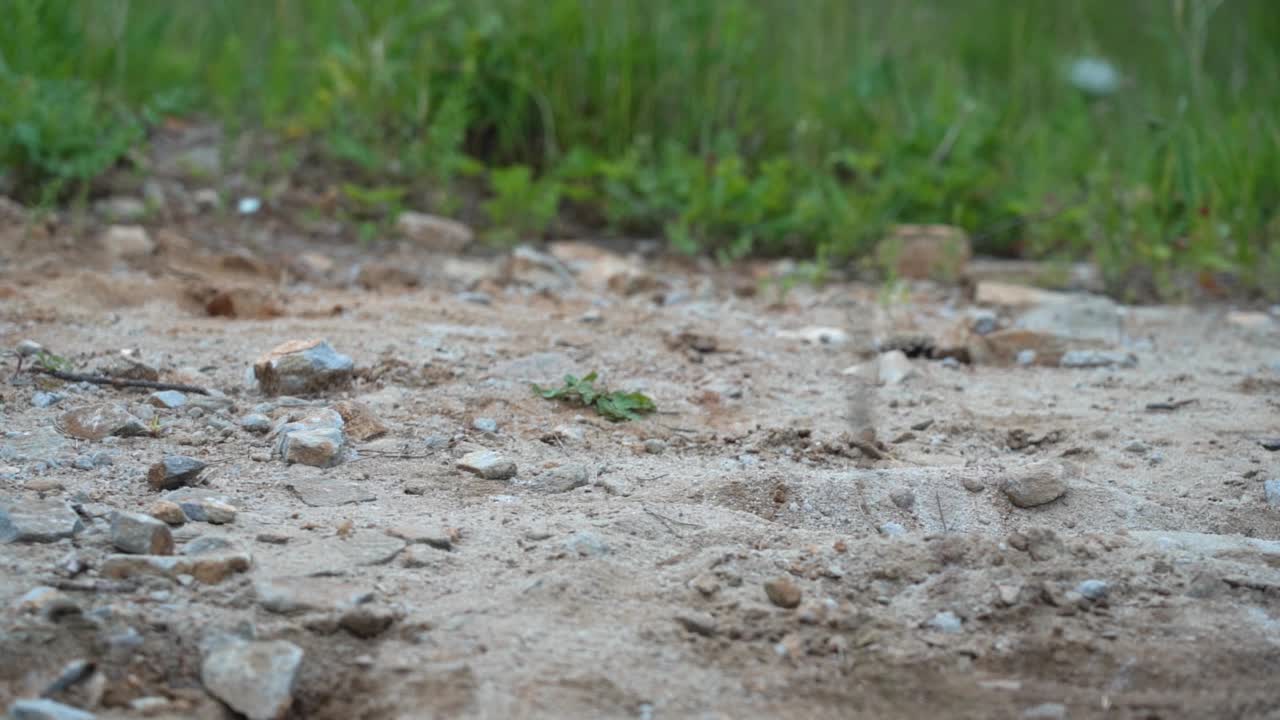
622 572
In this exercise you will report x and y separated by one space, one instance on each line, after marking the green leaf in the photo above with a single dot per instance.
615 406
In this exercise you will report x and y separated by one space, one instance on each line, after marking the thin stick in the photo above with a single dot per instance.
941 515
118 382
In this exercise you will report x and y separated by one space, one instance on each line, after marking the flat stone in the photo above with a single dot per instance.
783 592
37 521
96 422
488 465
335 555
140 534
586 544
892 529
434 233
217 512
361 423
816 335
174 471
255 679
1045 711
318 448
293 595
326 492
125 242
39 444
192 501
302 367
698 623
48 603
485 425
1038 484
439 539
167 399
210 569
946 622
990 292
1097 359
45 709
1077 316
42 399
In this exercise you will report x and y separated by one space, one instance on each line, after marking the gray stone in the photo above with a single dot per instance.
585 544
1045 711
42 399
434 233
894 368
983 322
654 446
255 423
698 623
140 534
1025 357
293 595
1271 491
945 621
174 471
892 529
37 521
96 422
168 399
318 448
904 498
488 465
566 478
475 298
83 462
325 492
1038 484
1094 589
302 367
45 709
1097 359
367 621
255 679
210 567
48 603
484 424
28 348
192 501
217 512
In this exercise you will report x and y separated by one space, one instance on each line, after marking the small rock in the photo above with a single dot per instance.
435 234
174 471
1008 594
945 621
698 623
586 544
904 498
1271 491
706 584
211 567
217 512
1038 484
1097 358
37 521
83 462
1270 444
983 322
783 592
256 423
488 465
192 501
96 422
321 447
302 367
1045 711
654 446
894 368
294 595
1137 447
48 603
168 399
139 534
1075 315
487 425
272 538
439 539
124 242
1025 357
255 679
475 298
42 399
1249 320
367 621
359 421
892 529
28 348
167 512
416 488
1095 590
45 709
566 478
817 335
973 484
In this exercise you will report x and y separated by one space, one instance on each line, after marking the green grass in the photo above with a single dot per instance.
733 127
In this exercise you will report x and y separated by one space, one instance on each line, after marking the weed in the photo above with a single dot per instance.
616 406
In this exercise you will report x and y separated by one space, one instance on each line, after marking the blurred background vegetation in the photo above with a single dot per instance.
733 127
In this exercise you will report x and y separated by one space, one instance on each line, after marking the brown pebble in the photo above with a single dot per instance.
168 512
272 538
783 593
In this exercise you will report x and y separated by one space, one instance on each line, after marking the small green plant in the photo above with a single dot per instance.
521 205
616 406
48 361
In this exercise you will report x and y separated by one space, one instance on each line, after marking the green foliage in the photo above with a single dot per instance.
731 128
616 406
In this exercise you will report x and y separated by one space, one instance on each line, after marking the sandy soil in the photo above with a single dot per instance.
641 592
